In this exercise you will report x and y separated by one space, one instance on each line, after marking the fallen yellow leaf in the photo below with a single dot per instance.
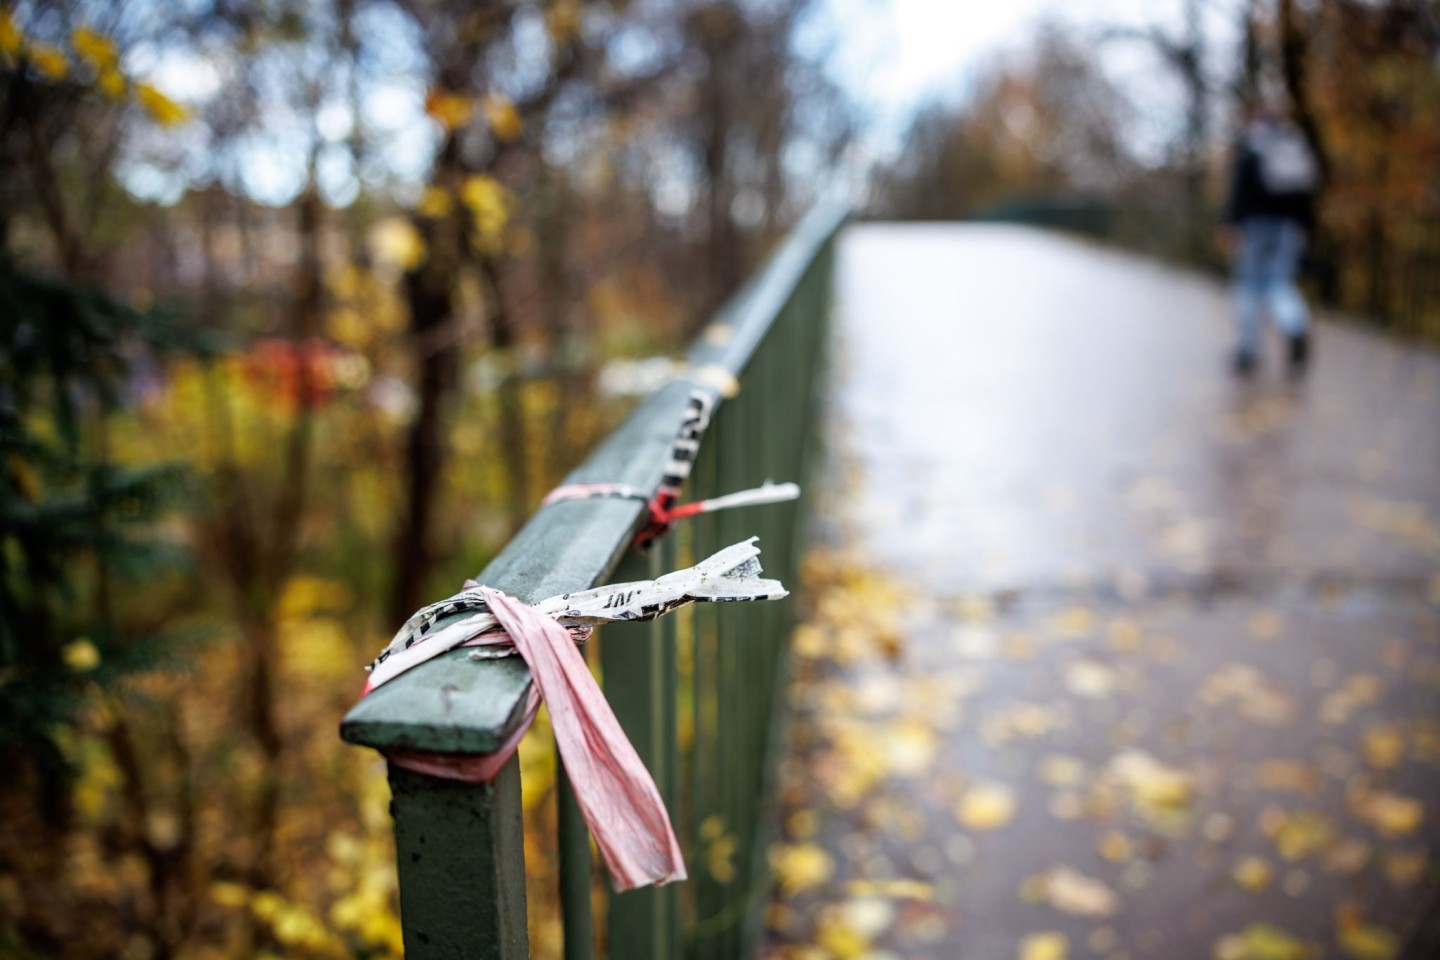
1405 868
1071 891
894 889
1260 941
1390 813
1297 834
800 867
1044 946
1090 679
1294 776
1115 846
1252 874
1362 941
1266 624
1384 746
1060 770
986 806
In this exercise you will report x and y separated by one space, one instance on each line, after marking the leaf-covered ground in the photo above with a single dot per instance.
1107 654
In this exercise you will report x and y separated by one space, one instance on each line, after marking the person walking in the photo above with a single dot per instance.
1267 222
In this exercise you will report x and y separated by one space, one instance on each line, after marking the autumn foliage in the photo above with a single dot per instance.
309 301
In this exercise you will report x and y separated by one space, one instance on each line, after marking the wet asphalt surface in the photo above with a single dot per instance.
1151 666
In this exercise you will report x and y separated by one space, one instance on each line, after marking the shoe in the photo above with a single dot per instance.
1243 364
1299 353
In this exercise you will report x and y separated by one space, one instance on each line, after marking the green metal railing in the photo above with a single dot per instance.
698 692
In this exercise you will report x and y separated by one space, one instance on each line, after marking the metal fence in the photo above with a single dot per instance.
699 692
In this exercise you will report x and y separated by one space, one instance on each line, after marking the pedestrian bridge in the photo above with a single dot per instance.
1101 651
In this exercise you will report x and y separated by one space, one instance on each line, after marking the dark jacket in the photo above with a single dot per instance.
1249 196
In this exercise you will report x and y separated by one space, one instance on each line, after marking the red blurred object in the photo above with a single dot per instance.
293 373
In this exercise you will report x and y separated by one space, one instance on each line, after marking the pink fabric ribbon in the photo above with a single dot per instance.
616 794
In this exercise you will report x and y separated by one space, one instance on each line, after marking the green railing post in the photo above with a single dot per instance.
460 852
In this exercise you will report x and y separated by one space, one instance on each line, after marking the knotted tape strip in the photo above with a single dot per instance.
614 791
663 506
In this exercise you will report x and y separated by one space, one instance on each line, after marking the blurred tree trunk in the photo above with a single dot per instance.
1295 32
1295 52
430 300
716 30
509 396
1189 58
1247 81
164 833
283 541
552 212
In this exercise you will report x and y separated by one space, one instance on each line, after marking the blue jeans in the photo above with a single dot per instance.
1265 268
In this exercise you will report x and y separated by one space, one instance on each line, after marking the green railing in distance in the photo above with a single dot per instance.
699 692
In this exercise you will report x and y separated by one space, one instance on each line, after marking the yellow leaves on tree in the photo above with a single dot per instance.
503 118
161 108
366 310
48 61
449 109
111 83
489 205
293 925
11 39
435 203
562 21
395 243
101 55
98 51
80 655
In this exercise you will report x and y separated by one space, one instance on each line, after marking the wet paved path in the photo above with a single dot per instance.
1110 655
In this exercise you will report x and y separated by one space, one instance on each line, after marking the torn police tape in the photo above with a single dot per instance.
615 792
663 507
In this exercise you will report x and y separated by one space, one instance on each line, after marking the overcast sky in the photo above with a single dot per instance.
893 55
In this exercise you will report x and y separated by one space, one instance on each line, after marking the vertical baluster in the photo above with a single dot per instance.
664 559
738 622
460 852
634 666
770 369
705 887
575 870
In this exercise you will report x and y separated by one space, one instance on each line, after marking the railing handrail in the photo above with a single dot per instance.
453 704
